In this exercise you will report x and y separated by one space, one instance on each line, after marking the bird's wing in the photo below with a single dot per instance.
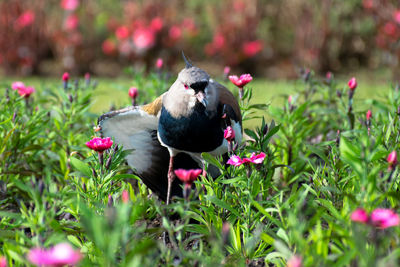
135 128
227 98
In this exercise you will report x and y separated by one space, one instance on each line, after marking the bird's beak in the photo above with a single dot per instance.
201 97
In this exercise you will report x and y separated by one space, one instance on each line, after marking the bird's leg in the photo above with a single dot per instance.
171 177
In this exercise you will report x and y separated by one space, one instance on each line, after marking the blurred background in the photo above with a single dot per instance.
268 38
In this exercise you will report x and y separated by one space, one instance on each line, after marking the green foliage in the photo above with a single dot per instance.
318 168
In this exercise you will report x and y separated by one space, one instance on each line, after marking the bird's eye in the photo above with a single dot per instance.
186 86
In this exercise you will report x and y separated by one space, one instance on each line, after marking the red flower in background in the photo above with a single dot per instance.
108 47
175 33
143 38
71 22
396 16
69 5
390 29
156 24
25 19
159 63
122 32
252 48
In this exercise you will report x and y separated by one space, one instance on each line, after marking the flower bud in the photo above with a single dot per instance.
352 84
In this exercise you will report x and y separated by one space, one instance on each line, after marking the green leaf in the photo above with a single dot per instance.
221 204
80 166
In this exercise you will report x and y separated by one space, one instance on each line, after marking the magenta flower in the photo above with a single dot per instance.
59 255
290 99
235 161
175 32
143 38
257 159
87 76
159 63
295 261
396 16
384 218
188 176
3 261
25 19
17 85
122 32
26 91
125 196
71 22
359 215
229 134
240 81
227 69
352 84
133 92
392 159
99 144
69 4
369 115
108 47
252 48
65 77
156 24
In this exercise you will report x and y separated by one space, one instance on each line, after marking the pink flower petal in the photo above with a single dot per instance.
235 161
384 218
359 215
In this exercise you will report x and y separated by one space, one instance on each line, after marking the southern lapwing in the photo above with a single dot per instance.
173 130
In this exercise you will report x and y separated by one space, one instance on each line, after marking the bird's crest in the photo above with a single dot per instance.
187 62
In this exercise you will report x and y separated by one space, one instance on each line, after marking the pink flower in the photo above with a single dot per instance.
17 85
87 76
188 176
256 159
227 69
290 99
99 144
392 158
108 47
352 84
159 63
241 81
143 38
156 24
396 16
125 196
235 161
390 29
71 22
252 48
69 4
294 261
229 134
59 255
3 261
65 77
175 32
25 19
359 215
26 91
384 218
368 115
133 92
122 32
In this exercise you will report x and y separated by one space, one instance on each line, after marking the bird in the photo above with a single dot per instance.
172 131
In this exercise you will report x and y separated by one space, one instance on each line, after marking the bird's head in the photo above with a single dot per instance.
193 86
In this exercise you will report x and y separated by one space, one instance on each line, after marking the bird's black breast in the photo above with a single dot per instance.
196 133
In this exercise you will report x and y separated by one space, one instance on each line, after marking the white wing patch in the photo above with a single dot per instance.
133 130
